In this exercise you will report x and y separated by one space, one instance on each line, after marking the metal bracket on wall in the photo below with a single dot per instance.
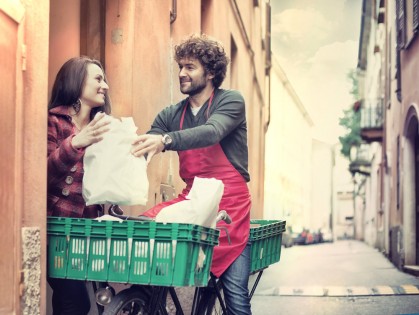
167 192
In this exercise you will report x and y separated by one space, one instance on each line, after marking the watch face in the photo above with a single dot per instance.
167 139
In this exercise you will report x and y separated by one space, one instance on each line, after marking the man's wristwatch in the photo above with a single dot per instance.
166 140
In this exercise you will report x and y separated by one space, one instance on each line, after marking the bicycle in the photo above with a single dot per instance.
149 296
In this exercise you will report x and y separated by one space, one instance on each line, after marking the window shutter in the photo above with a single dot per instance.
268 63
401 23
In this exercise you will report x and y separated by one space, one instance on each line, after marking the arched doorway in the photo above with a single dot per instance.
411 188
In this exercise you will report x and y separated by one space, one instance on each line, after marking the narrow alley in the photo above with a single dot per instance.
344 277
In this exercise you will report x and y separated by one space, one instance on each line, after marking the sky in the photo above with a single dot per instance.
316 43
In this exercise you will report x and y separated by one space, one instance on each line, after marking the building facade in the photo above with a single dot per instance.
288 154
134 40
306 180
388 63
343 198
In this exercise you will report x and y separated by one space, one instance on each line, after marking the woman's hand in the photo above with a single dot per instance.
147 144
92 133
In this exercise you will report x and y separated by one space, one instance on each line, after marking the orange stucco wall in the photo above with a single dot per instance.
64 38
26 152
139 40
34 122
143 76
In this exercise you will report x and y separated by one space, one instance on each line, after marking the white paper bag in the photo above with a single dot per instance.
201 206
111 173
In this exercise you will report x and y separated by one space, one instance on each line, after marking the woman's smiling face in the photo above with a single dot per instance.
95 87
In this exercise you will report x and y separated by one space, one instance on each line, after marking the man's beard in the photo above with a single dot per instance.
195 87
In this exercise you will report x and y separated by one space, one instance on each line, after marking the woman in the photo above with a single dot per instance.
79 101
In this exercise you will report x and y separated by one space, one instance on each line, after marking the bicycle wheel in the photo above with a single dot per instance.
209 303
214 308
132 301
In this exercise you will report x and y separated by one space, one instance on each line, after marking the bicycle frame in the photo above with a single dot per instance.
157 300
139 297
202 296
156 303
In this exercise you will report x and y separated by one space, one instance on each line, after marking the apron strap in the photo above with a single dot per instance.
182 118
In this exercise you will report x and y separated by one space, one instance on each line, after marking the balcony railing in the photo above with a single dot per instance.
372 120
362 162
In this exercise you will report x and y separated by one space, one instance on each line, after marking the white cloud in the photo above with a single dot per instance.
301 25
322 85
316 44
335 56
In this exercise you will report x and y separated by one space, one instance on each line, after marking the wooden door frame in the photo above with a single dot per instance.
14 12
93 29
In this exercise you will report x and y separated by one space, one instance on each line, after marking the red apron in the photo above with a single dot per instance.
211 162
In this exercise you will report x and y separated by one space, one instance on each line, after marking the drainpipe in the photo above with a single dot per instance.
173 12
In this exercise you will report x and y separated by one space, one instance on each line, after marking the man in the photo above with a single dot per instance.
208 129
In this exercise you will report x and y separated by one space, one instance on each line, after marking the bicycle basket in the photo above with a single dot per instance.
135 252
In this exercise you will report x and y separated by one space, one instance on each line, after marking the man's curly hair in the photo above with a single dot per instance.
208 52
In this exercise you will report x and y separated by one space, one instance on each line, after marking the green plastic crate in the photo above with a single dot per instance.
130 251
175 250
266 241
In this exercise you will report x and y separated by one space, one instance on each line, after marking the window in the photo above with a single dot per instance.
398 77
268 39
407 22
206 7
233 65
401 23
398 173
388 75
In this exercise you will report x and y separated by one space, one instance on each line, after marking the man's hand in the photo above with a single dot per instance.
147 144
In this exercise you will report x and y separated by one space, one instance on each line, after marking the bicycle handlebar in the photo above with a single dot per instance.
223 216
116 211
